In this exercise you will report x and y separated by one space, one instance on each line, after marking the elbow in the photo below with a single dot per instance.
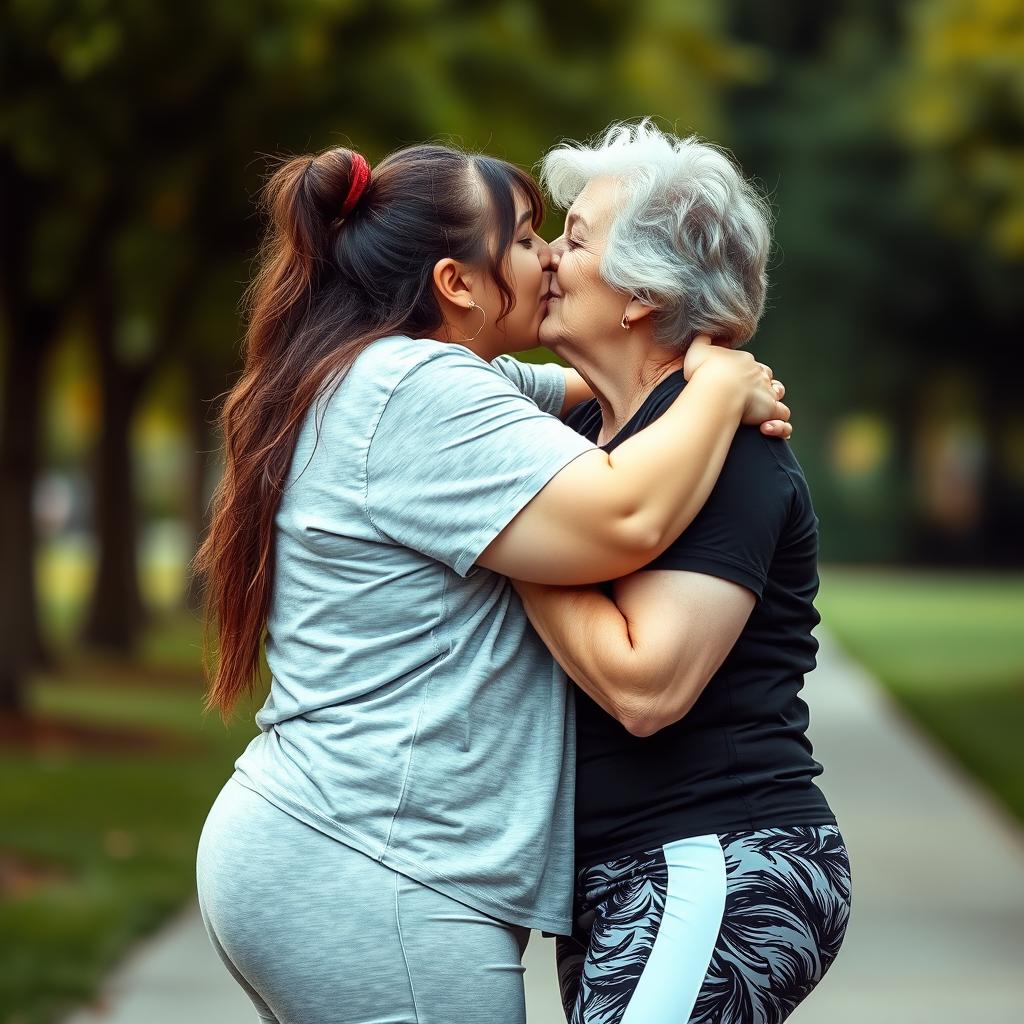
641 716
638 539
642 726
644 715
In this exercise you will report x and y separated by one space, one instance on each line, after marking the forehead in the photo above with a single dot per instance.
520 199
596 203
524 206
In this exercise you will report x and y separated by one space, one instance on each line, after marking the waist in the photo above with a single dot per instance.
628 804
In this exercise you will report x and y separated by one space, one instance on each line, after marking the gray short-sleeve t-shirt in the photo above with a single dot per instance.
413 712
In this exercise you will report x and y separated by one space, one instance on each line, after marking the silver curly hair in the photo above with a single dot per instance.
690 236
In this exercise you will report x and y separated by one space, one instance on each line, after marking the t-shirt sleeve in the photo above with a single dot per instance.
544 383
456 454
735 535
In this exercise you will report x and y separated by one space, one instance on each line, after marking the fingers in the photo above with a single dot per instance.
777 428
767 371
779 388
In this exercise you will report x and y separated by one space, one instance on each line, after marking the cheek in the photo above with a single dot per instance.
528 269
525 278
581 282
591 304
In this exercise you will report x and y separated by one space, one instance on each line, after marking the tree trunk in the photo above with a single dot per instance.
116 611
20 636
31 324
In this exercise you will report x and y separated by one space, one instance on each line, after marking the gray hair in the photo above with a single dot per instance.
691 237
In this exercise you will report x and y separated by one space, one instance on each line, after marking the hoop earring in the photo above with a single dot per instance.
483 320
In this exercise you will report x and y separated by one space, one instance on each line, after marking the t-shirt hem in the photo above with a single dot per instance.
551 381
712 826
409 867
517 501
556 398
548 382
711 565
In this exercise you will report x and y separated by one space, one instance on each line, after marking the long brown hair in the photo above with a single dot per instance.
325 289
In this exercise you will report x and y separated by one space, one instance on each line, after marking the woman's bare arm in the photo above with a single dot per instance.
646 656
607 514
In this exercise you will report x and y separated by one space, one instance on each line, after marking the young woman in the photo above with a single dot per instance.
713 884
405 814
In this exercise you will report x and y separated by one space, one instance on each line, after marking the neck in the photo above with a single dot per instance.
621 372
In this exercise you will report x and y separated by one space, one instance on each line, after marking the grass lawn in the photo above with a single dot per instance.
950 647
105 840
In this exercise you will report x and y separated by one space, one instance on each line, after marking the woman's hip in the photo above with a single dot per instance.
307 924
698 929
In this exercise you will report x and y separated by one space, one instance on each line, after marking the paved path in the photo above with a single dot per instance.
937 932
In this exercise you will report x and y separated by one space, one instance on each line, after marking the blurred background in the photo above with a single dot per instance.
134 136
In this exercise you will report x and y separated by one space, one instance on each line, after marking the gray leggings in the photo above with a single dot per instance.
318 933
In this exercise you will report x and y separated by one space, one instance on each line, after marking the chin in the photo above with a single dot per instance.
523 340
548 333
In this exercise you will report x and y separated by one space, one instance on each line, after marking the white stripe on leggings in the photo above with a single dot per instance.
683 947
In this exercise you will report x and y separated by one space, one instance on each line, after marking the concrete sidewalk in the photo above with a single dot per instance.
937 931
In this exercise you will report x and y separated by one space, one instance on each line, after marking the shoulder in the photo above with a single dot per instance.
422 375
759 464
762 482
394 358
768 458
788 466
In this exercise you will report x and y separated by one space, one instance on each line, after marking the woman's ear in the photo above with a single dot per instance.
637 310
453 282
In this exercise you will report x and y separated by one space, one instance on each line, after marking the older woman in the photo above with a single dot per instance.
712 882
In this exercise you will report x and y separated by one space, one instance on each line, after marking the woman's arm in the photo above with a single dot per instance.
606 515
646 656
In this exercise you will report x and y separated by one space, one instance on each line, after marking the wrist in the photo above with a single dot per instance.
729 389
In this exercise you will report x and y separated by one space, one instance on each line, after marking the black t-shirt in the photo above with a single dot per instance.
740 759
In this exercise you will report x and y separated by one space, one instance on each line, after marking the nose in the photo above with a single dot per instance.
544 254
557 247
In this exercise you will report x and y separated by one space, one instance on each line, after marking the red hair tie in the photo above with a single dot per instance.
360 179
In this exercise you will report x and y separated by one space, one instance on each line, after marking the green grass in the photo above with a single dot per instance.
950 648
116 831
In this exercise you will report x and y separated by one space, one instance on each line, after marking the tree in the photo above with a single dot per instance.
876 293
130 147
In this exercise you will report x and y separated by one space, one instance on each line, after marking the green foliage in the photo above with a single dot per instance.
962 110
874 298
168 114
887 137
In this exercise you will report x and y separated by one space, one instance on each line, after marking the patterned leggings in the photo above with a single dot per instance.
735 928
